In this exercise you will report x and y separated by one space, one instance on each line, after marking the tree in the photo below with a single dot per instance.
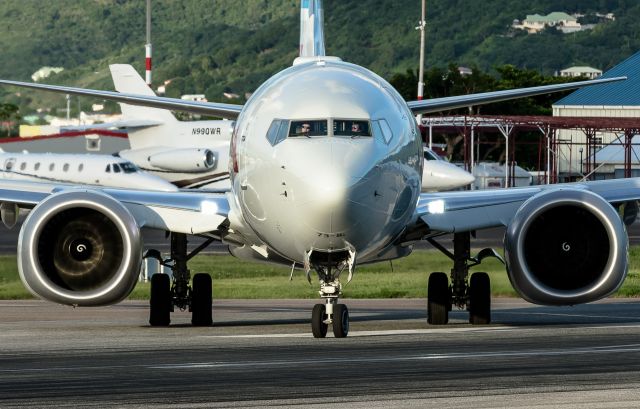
8 112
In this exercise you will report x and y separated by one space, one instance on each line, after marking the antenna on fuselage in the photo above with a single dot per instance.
312 29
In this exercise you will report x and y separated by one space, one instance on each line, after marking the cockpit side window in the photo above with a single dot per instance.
116 168
108 169
382 130
351 128
128 167
277 131
308 128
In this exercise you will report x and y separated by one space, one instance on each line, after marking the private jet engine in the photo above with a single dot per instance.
566 247
184 160
80 248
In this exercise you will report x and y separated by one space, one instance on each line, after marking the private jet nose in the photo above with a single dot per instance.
151 182
441 175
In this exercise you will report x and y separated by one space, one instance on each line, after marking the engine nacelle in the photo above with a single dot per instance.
566 247
184 160
80 248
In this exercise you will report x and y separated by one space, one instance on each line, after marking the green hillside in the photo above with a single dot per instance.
212 46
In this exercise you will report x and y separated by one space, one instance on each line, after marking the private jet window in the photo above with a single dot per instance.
65 167
116 168
8 165
277 131
128 167
351 128
308 128
430 155
52 166
23 166
382 130
36 166
80 167
108 169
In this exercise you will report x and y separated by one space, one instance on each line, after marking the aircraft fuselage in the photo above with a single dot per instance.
341 170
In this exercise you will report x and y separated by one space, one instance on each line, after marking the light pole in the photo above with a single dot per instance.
421 27
147 46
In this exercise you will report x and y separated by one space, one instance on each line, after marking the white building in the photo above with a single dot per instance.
44 72
615 100
535 23
589 72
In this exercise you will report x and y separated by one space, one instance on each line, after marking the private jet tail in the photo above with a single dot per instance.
146 126
127 80
311 29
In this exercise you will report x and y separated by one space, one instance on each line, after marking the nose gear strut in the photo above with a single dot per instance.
331 312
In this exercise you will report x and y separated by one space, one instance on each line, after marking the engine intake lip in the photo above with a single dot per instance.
535 290
113 289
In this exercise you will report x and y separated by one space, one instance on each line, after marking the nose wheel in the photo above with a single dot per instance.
330 313
335 314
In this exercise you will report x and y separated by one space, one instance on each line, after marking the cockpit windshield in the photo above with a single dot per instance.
431 155
128 167
350 127
308 128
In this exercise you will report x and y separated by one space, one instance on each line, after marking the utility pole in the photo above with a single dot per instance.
148 45
68 107
422 25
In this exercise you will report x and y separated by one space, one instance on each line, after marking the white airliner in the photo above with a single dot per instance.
102 170
310 190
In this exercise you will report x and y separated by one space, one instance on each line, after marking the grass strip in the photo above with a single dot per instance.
403 278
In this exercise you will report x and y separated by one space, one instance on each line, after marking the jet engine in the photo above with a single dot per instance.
566 247
80 248
184 160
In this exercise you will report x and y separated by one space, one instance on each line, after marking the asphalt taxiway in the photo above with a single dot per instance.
260 354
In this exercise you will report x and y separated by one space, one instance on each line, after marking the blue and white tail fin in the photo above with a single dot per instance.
312 29
127 80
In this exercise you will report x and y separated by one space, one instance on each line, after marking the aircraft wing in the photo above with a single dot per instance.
479 209
229 111
189 212
463 101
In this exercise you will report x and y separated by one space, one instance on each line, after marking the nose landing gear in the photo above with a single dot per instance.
331 312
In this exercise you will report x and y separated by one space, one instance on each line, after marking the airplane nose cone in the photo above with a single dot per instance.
149 182
326 196
440 175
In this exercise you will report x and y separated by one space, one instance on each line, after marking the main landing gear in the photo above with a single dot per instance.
331 312
165 295
473 293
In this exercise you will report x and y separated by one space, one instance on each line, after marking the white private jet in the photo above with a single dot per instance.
102 170
189 154
311 191
439 174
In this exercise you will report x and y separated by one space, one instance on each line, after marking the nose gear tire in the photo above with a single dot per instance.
318 316
340 321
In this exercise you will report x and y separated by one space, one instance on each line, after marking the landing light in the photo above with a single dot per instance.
208 207
436 207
